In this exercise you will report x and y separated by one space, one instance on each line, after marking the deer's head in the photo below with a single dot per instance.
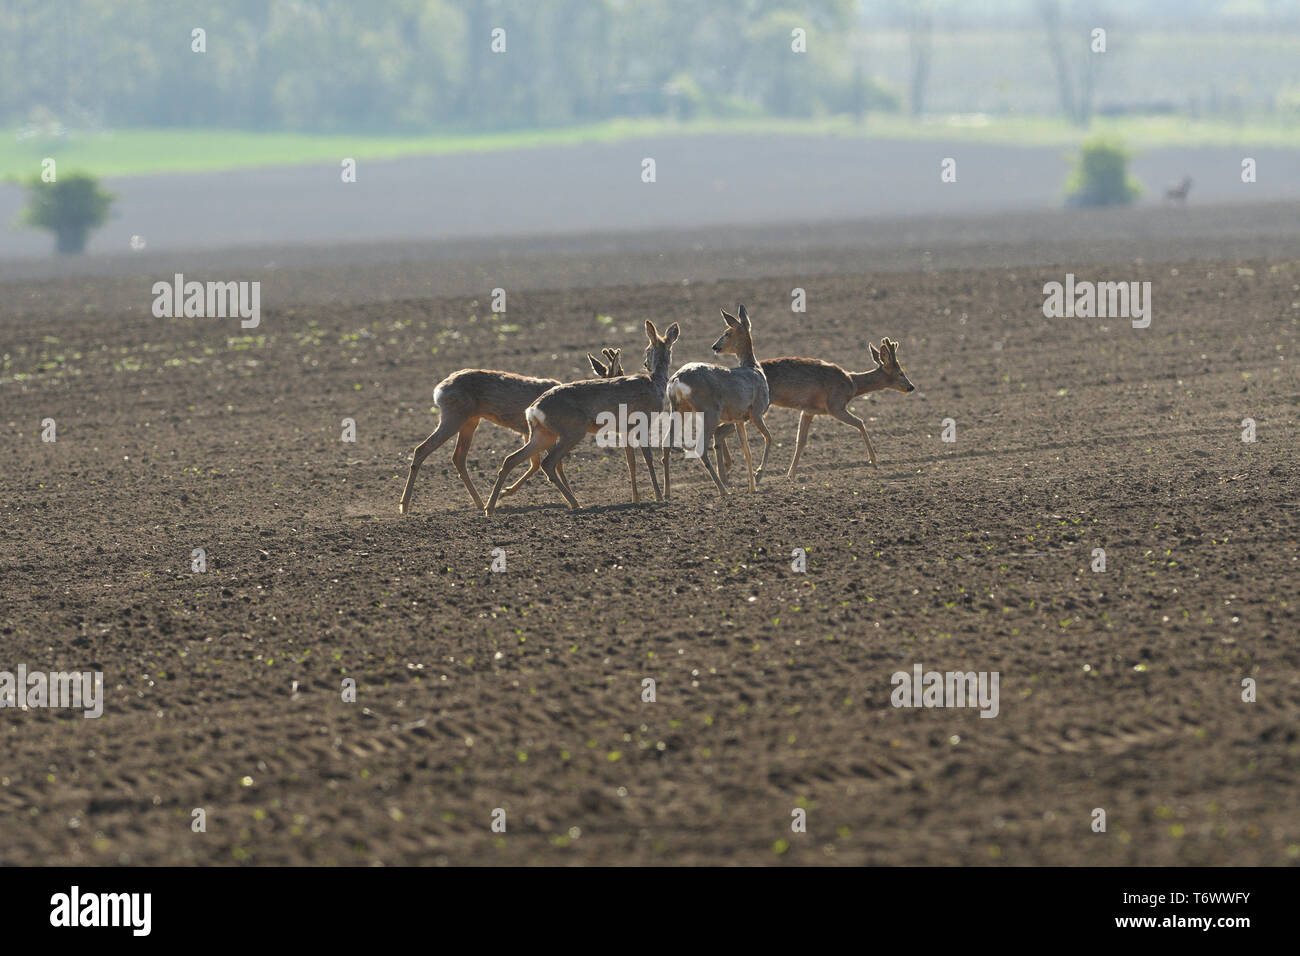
659 353
736 340
887 358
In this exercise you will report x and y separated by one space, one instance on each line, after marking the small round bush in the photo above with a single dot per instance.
1100 176
70 207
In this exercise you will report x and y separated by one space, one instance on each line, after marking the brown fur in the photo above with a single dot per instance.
724 395
816 388
471 395
564 415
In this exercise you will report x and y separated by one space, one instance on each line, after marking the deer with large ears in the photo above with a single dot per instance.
722 395
467 397
823 388
566 414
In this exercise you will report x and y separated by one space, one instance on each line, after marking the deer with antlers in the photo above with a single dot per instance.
817 388
471 395
561 417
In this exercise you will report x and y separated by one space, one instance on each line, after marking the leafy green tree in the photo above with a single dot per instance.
70 208
1100 176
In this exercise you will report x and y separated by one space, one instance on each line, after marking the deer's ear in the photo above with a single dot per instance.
744 317
651 332
730 319
875 355
596 366
671 335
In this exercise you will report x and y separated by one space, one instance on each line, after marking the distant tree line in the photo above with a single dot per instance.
401 65
412 65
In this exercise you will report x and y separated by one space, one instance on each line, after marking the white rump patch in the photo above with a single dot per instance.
535 416
678 391
437 396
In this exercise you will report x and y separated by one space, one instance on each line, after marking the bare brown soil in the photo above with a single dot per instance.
522 690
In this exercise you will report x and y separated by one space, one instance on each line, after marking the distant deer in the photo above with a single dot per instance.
823 388
722 395
1177 192
566 414
466 397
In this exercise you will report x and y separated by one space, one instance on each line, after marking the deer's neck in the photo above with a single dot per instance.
864 382
746 354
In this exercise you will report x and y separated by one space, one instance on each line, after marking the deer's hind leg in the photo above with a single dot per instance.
767 445
710 429
720 441
539 439
805 426
535 465
847 417
667 442
447 426
551 465
631 471
461 453
749 462
650 465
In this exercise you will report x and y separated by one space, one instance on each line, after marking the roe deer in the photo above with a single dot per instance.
566 414
1177 192
472 394
823 388
723 395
